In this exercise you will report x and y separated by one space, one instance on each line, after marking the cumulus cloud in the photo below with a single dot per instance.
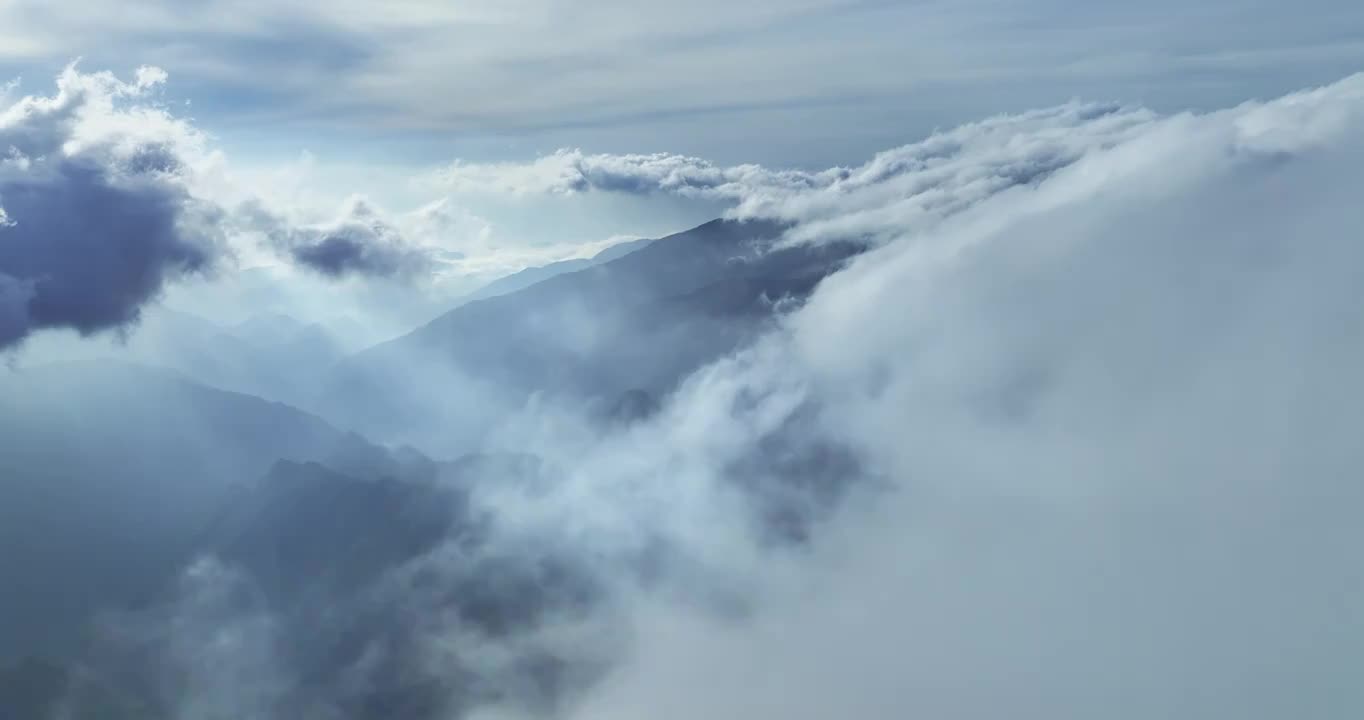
106 197
97 215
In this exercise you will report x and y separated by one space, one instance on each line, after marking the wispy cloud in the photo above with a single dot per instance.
539 66
924 181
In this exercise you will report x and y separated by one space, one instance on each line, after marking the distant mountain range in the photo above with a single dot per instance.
638 323
334 554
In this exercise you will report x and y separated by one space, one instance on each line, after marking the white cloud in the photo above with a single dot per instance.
573 171
917 183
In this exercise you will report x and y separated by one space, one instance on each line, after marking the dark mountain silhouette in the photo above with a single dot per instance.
339 580
385 557
110 472
637 323
341 584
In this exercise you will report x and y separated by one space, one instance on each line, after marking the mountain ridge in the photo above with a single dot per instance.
638 322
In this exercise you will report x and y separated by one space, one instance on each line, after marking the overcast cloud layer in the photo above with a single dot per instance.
804 82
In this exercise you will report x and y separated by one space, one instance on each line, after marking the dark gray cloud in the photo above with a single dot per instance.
339 254
361 242
93 249
97 216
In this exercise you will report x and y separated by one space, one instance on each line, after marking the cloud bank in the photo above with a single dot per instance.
1098 387
1105 361
915 184
1116 407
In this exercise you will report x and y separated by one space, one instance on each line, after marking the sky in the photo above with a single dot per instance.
325 107
803 83
329 99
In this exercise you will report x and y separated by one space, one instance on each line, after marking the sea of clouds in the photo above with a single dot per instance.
1107 363
1102 365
